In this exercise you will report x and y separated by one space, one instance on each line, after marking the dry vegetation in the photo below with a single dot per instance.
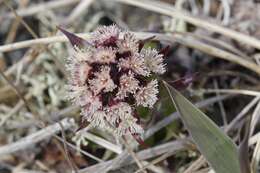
218 39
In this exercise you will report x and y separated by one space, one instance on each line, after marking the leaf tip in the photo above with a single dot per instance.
73 38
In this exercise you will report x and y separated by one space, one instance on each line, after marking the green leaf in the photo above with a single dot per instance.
219 150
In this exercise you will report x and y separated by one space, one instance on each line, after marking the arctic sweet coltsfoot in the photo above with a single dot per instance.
110 76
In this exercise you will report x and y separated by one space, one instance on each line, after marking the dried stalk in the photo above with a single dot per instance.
142 155
176 37
32 10
166 9
36 137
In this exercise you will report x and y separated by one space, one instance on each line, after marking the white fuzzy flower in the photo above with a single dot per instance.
121 117
102 81
105 55
153 60
134 63
128 122
79 73
87 98
128 43
82 55
83 97
117 111
78 65
98 118
105 34
74 92
128 84
147 96
129 126
90 108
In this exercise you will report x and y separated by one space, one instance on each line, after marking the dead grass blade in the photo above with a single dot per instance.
167 9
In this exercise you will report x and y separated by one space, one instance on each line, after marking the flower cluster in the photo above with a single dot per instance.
110 76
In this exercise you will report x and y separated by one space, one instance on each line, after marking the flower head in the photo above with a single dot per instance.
105 35
124 122
128 85
108 78
147 96
153 60
105 55
129 43
135 63
102 81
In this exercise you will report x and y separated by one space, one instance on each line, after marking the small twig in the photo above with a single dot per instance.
171 147
237 74
255 119
155 161
220 43
102 142
41 7
16 108
241 114
181 38
136 159
194 7
195 165
12 32
78 10
254 139
28 57
21 20
221 106
256 158
215 52
16 90
243 148
206 7
227 12
34 35
232 91
36 137
166 9
78 149
67 155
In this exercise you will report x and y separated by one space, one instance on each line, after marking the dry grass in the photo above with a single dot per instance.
37 123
